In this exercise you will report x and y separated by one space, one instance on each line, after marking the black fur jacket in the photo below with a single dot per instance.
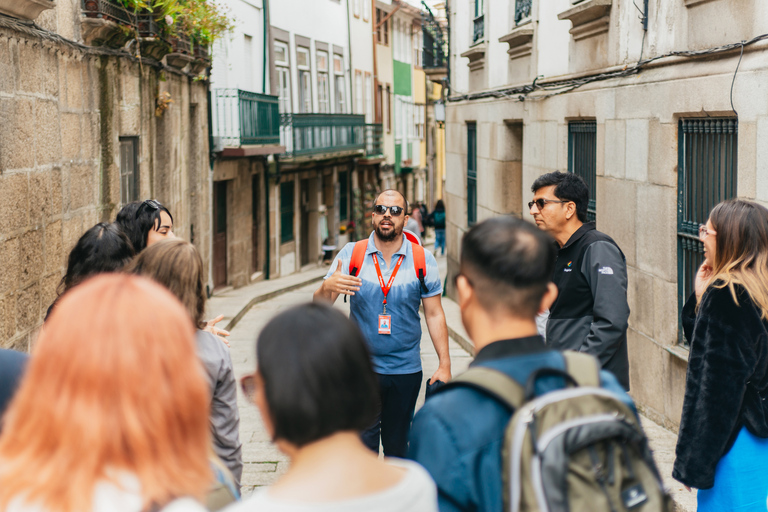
726 383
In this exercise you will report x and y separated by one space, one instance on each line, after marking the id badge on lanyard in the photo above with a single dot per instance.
385 320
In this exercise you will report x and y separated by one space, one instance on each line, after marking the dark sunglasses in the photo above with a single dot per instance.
396 211
541 203
248 385
149 203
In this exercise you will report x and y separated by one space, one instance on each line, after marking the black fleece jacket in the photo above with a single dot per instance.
726 383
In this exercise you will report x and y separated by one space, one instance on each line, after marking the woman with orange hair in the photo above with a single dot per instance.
113 411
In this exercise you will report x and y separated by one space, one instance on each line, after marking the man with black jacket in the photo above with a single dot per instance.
591 312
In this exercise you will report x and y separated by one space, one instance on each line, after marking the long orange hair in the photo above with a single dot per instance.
114 386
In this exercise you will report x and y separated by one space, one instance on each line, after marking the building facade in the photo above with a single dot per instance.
87 126
647 105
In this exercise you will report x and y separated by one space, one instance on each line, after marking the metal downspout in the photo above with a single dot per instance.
266 52
349 45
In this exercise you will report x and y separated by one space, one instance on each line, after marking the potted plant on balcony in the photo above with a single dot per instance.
109 22
204 21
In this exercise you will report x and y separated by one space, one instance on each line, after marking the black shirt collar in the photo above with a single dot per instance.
587 226
511 347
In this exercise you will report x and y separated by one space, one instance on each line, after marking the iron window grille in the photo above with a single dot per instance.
582 158
471 174
707 171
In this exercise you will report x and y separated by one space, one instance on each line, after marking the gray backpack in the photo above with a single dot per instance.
574 449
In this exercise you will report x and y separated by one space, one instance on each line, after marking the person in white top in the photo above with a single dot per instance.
316 391
112 414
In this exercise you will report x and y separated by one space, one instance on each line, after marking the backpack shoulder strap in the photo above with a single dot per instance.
584 368
358 257
420 265
499 385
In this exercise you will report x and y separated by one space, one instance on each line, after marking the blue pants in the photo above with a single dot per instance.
440 240
397 403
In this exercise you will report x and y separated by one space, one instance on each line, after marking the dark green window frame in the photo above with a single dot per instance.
707 173
582 158
286 211
471 174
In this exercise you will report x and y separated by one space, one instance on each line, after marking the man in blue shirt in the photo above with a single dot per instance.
385 299
504 281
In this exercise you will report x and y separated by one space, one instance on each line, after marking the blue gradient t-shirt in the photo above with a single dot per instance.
396 353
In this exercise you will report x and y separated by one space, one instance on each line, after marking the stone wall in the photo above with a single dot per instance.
63 108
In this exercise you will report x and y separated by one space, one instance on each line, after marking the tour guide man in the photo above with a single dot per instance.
385 301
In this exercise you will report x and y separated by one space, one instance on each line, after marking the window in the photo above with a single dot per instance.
478 24
359 93
471 174
522 11
129 169
286 212
366 10
283 77
379 103
248 81
707 165
343 196
418 121
382 32
388 108
341 88
356 8
323 86
418 46
305 80
582 157
338 64
368 97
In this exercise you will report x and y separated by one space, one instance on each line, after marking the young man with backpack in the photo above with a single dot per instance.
387 277
527 428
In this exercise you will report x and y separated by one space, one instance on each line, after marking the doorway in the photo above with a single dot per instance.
304 221
219 234
255 209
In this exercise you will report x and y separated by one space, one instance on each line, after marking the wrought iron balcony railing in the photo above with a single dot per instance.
243 118
313 134
435 53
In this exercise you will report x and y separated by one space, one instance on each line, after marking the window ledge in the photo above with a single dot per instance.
691 3
678 351
520 41
25 9
588 18
476 56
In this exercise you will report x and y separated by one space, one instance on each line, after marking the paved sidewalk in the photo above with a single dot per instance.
249 308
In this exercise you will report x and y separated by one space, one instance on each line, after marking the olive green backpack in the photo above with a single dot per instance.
575 449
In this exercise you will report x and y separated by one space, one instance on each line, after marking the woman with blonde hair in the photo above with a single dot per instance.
177 265
723 441
112 414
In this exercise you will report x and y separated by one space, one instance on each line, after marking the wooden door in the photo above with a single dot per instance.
304 219
219 234
255 215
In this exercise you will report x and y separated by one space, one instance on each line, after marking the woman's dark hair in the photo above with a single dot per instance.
317 374
103 248
136 219
568 187
439 205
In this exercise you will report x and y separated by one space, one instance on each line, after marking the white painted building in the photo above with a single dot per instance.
238 57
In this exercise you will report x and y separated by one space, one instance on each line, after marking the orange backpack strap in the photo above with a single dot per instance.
420 265
358 256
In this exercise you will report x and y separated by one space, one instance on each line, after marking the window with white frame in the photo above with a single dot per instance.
340 85
323 86
368 97
305 80
359 93
356 8
418 46
366 10
282 68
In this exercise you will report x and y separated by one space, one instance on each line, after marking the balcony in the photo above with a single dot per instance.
322 135
435 53
245 123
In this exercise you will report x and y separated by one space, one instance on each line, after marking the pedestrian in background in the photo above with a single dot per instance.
103 248
316 391
113 411
591 313
177 265
12 366
145 223
385 300
722 447
436 219
418 220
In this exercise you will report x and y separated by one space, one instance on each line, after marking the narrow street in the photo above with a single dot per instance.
263 462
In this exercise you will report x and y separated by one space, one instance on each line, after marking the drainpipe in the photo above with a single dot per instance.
209 286
349 45
267 49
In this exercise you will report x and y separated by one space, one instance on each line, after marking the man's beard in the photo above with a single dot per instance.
387 237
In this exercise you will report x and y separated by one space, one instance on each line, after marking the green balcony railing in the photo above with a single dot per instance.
312 134
243 118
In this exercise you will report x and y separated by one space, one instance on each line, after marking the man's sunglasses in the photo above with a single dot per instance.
396 211
541 203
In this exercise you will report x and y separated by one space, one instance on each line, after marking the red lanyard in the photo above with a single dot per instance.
385 289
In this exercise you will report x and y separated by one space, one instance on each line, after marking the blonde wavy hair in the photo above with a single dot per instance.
741 250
